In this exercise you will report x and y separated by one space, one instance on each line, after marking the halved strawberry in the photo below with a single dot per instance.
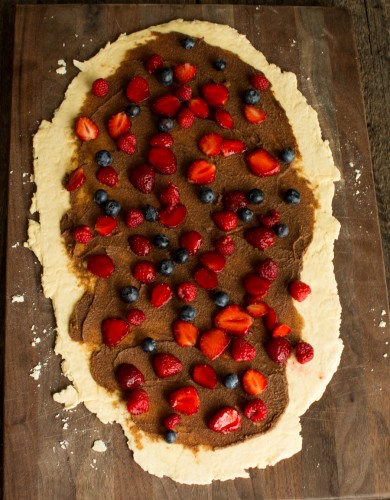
86 129
105 225
215 94
260 237
129 377
205 376
75 179
186 334
170 196
232 147
166 365
137 402
185 400
184 73
257 309
213 261
163 160
242 350
107 176
281 330
253 114
262 164
255 410
153 63
206 279
161 294
256 285
210 144
201 172
199 107
226 220
166 105
143 177
224 118
254 382
162 140
213 343
270 320
114 330
234 320
191 241
172 217
100 265
137 89
118 125
226 420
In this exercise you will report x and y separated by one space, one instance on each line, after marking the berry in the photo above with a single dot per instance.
201 172
213 261
140 245
287 155
100 197
114 330
262 164
210 144
186 291
225 421
134 218
127 143
255 410
166 365
170 437
132 110
259 82
166 267
100 87
304 352
231 381
234 320
270 319
172 217
144 271
82 234
232 147
278 349
105 225
137 402
107 176
271 218
256 285
199 107
149 345
242 350
224 119
220 64
181 256
207 196
221 299
161 241
153 63
165 76
225 220
150 213
75 179
251 96
162 139
163 160
137 90
100 265
235 200
103 158
129 294
225 245
185 118
253 382
281 330
143 178
184 93
213 343
245 214
257 309
185 72
256 196
112 207
188 313
129 377
135 317
292 197
165 125
205 376
166 105
281 230
260 237
299 290
268 269
185 400
188 43
191 241
206 279
186 334
161 294
171 421
86 129
215 94
118 125
253 114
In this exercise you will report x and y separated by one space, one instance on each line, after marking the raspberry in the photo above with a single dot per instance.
82 234
100 87
185 118
140 245
270 219
299 290
304 352
225 220
134 218
225 245
127 143
153 63
145 272
235 200
107 176
171 421
255 410
184 93
135 317
186 291
259 82
268 269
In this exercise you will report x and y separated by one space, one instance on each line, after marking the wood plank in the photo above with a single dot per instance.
346 448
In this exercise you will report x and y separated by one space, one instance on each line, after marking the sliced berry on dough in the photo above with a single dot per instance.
213 343
185 400
166 365
86 129
234 320
137 89
100 265
205 376
202 172
114 330
226 420
186 334
262 164
254 382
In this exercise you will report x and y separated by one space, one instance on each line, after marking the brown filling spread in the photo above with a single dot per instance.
103 300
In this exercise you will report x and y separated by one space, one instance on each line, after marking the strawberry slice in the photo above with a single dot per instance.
255 410
215 94
105 225
143 177
256 285
253 114
224 118
206 279
257 309
137 402
210 144
202 172
213 343
270 320
205 376
184 73
234 320
100 265
281 330
166 105
242 350
185 400
161 139
262 164
118 125
260 237
137 89
172 217
186 334
166 365
161 294
254 382
232 147
213 261
191 241
163 160
225 421
75 179
170 196
199 107
114 330
86 129
226 220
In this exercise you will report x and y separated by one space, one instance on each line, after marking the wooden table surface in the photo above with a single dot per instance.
346 447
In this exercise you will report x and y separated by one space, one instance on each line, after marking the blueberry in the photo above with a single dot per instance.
245 214
149 344
132 110
150 213
220 64
231 381
287 155
170 437
251 96
166 267
207 196
165 76
188 43
161 241
221 299
256 196
292 197
129 294
103 158
181 256
188 313
100 197
112 208
165 125
281 230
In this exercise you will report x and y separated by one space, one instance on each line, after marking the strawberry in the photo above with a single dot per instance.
166 365
100 87
142 178
225 245
140 245
153 63
185 400
256 285
234 320
259 82
299 290
201 172
206 279
145 272
171 421
100 265
135 317
262 164
86 129
184 93
186 291
226 220
304 352
107 176
191 241
271 218
210 144
253 114
235 200
137 402
242 351
270 320
257 309
225 421
162 140
82 234
134 218
232 147
186 334
75 179
185 118
114 330
260 237
278 349
170 196
253 382
172 217
215 94
281 330
199 107
163 160
213 261
105 225
127 143
118 125
224 118
166 105
129 377
255 410
137 89
183 73
161 294
213 343
268 269
205 376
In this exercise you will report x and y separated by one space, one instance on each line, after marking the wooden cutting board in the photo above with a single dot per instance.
47 451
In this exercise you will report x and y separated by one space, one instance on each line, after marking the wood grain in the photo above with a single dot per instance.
346 434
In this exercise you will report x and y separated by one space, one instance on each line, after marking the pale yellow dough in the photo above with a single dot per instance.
54 148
